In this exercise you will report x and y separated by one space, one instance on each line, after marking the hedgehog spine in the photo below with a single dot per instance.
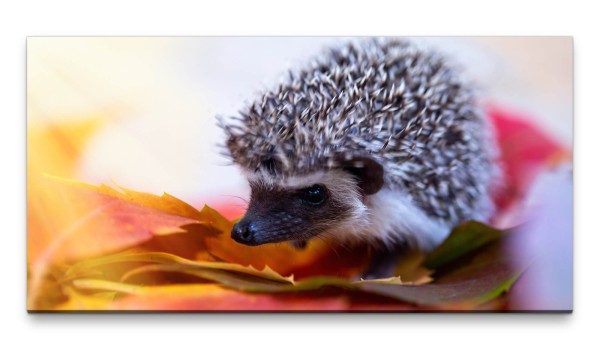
402 107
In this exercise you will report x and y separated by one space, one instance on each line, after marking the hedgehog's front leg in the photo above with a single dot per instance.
384 263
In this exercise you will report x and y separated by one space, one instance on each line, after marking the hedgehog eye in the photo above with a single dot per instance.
315 195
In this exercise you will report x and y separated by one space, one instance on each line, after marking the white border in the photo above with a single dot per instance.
19 19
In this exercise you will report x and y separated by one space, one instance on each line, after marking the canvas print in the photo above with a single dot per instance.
360 174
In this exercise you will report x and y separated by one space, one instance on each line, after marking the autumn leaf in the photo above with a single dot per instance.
464 238
52 148
70 221
477 282
86 223
411 268
525 151
203 297
170 259
318 258
473 265
465 287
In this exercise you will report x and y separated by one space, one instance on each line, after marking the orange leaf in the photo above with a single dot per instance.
69 221
318 258
78 222
203 297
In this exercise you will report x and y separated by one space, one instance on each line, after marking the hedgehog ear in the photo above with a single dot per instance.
368 172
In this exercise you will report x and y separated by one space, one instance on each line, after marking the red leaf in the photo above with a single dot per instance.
525 151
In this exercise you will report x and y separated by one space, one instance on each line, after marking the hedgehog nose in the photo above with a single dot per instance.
243 232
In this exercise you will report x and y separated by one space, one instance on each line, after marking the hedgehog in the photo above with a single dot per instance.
375 141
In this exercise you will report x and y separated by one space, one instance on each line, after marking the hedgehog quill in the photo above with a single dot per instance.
376 141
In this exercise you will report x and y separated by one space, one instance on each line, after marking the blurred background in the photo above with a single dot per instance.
157 98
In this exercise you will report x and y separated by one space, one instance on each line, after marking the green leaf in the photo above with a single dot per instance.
464 239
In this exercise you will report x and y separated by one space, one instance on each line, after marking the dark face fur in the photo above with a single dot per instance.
279 213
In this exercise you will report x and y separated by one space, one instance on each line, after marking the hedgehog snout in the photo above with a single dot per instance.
244 232
257 229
